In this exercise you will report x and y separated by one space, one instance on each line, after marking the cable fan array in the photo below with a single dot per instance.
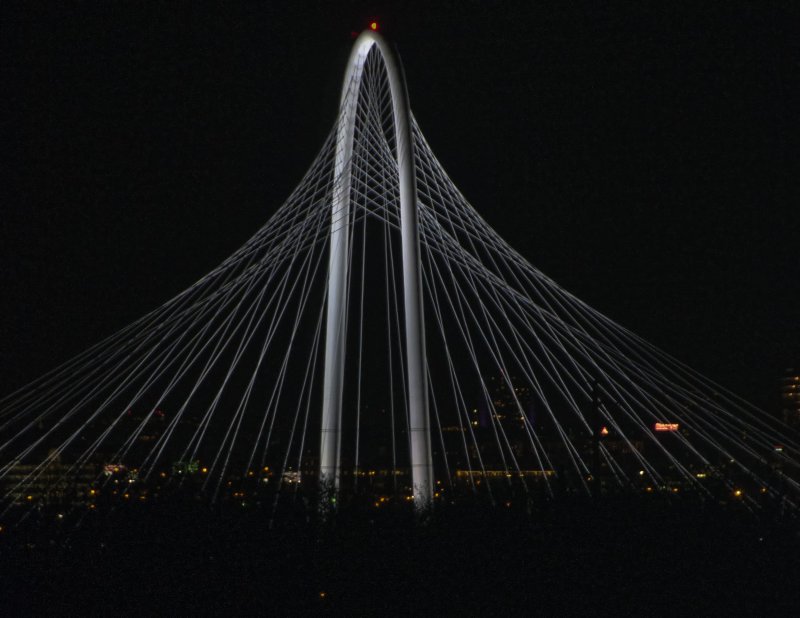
532 392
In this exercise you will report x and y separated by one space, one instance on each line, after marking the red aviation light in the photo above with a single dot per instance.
373 25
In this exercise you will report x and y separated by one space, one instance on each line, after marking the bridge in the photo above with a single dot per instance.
376 339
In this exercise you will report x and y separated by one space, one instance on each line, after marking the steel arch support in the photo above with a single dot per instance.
336 319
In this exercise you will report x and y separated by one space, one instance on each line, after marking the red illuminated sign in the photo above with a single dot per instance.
666 427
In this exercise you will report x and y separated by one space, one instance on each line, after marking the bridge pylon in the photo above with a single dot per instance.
336 317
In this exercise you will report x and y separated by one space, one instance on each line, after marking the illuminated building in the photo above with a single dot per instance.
790 397
508 404
466 474
55 483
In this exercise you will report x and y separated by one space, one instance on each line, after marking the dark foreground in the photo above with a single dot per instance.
605 557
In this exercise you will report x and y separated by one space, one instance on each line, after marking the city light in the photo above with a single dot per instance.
666 427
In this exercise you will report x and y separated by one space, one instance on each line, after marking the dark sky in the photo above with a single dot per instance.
646 158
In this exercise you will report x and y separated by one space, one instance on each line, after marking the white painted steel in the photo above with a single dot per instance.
335 335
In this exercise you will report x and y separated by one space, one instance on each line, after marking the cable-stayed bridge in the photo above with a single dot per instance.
377 340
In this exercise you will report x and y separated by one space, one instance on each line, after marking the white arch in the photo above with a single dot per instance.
335 336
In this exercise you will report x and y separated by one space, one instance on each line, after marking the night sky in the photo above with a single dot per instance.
646 158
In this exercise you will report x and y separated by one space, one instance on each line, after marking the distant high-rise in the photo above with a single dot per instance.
790 397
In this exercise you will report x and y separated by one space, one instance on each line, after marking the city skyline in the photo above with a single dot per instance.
453 353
